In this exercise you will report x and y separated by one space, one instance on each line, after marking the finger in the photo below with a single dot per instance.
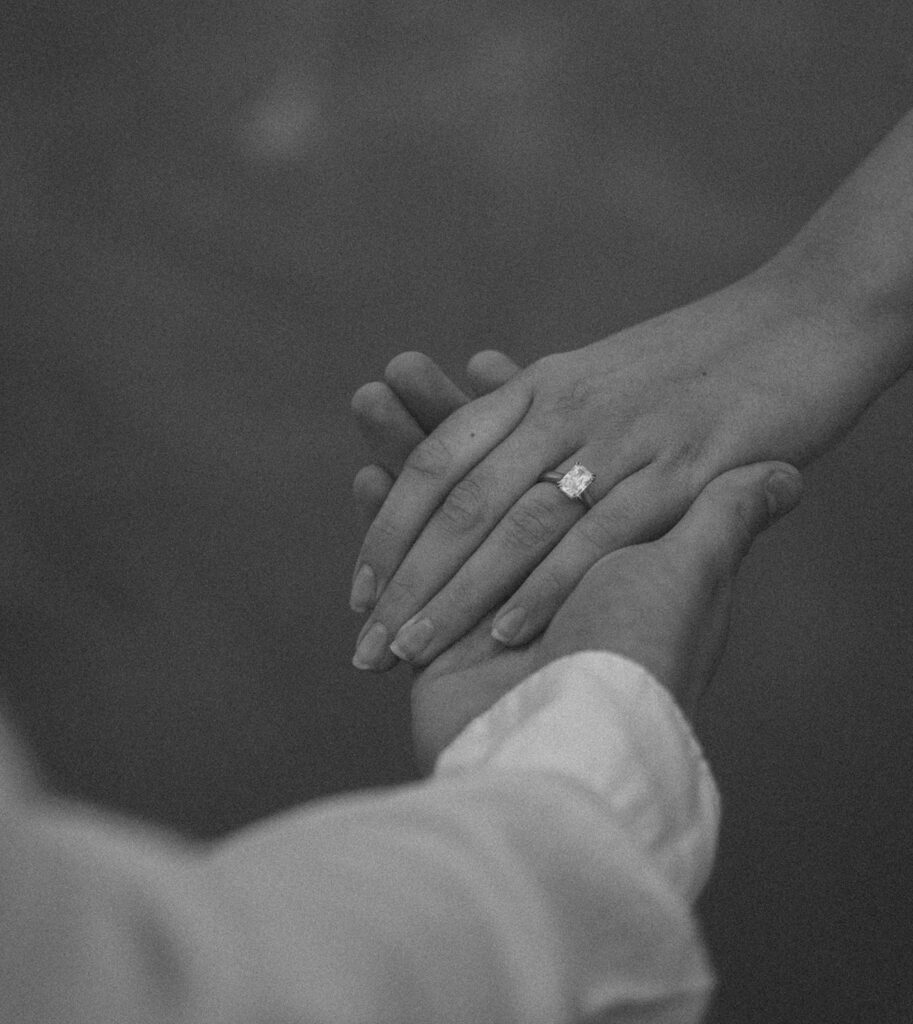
393 417
473 648
391 432
424 389
369 490
639 507
387 428
731 511
442 706
488 370
521 538
396 415
430 473
463 683
468 513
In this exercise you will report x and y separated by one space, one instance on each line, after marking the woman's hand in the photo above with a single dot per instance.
765 369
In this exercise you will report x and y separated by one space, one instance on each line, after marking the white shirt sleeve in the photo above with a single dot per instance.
546 873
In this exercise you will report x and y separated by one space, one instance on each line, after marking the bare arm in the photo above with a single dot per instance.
778 365
854 261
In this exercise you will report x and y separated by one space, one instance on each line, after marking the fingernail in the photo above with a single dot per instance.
783 492
507 626
363 587
412 639
371 645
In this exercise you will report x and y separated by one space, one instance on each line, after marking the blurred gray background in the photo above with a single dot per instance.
219 219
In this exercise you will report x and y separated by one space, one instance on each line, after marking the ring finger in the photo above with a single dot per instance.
525 535
640 508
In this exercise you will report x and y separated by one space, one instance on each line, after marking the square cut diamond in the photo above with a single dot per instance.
576 480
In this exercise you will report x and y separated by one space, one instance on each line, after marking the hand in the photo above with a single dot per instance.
664 604
395 417
656 412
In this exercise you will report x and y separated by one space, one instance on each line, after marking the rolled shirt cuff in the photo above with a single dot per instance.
604 721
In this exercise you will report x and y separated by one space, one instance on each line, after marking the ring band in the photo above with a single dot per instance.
572 483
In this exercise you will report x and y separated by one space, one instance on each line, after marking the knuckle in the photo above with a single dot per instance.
458 601
429 460
401 593
563 395
465 506
531 524
687 455
543 367
599 533
575 397
680 456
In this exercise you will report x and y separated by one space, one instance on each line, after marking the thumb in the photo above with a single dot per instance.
733 509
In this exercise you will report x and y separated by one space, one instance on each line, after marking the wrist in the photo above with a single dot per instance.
803 360
852 262
841 289
856 324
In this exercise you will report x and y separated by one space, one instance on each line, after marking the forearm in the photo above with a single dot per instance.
510 897
547 872
506 890
853 262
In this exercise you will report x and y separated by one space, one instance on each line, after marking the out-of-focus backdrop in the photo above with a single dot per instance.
218 219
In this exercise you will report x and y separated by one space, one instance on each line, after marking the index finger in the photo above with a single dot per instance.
432 469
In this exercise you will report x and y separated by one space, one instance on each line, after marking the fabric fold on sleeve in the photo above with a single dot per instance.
604 721
544 875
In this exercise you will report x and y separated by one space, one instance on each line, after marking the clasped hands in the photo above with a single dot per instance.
745 375
462 534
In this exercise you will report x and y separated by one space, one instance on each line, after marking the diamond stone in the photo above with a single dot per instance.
576 480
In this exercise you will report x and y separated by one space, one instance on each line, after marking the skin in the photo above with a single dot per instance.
777 366
664 604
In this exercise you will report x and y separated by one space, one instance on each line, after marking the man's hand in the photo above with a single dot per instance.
396 415
664 605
